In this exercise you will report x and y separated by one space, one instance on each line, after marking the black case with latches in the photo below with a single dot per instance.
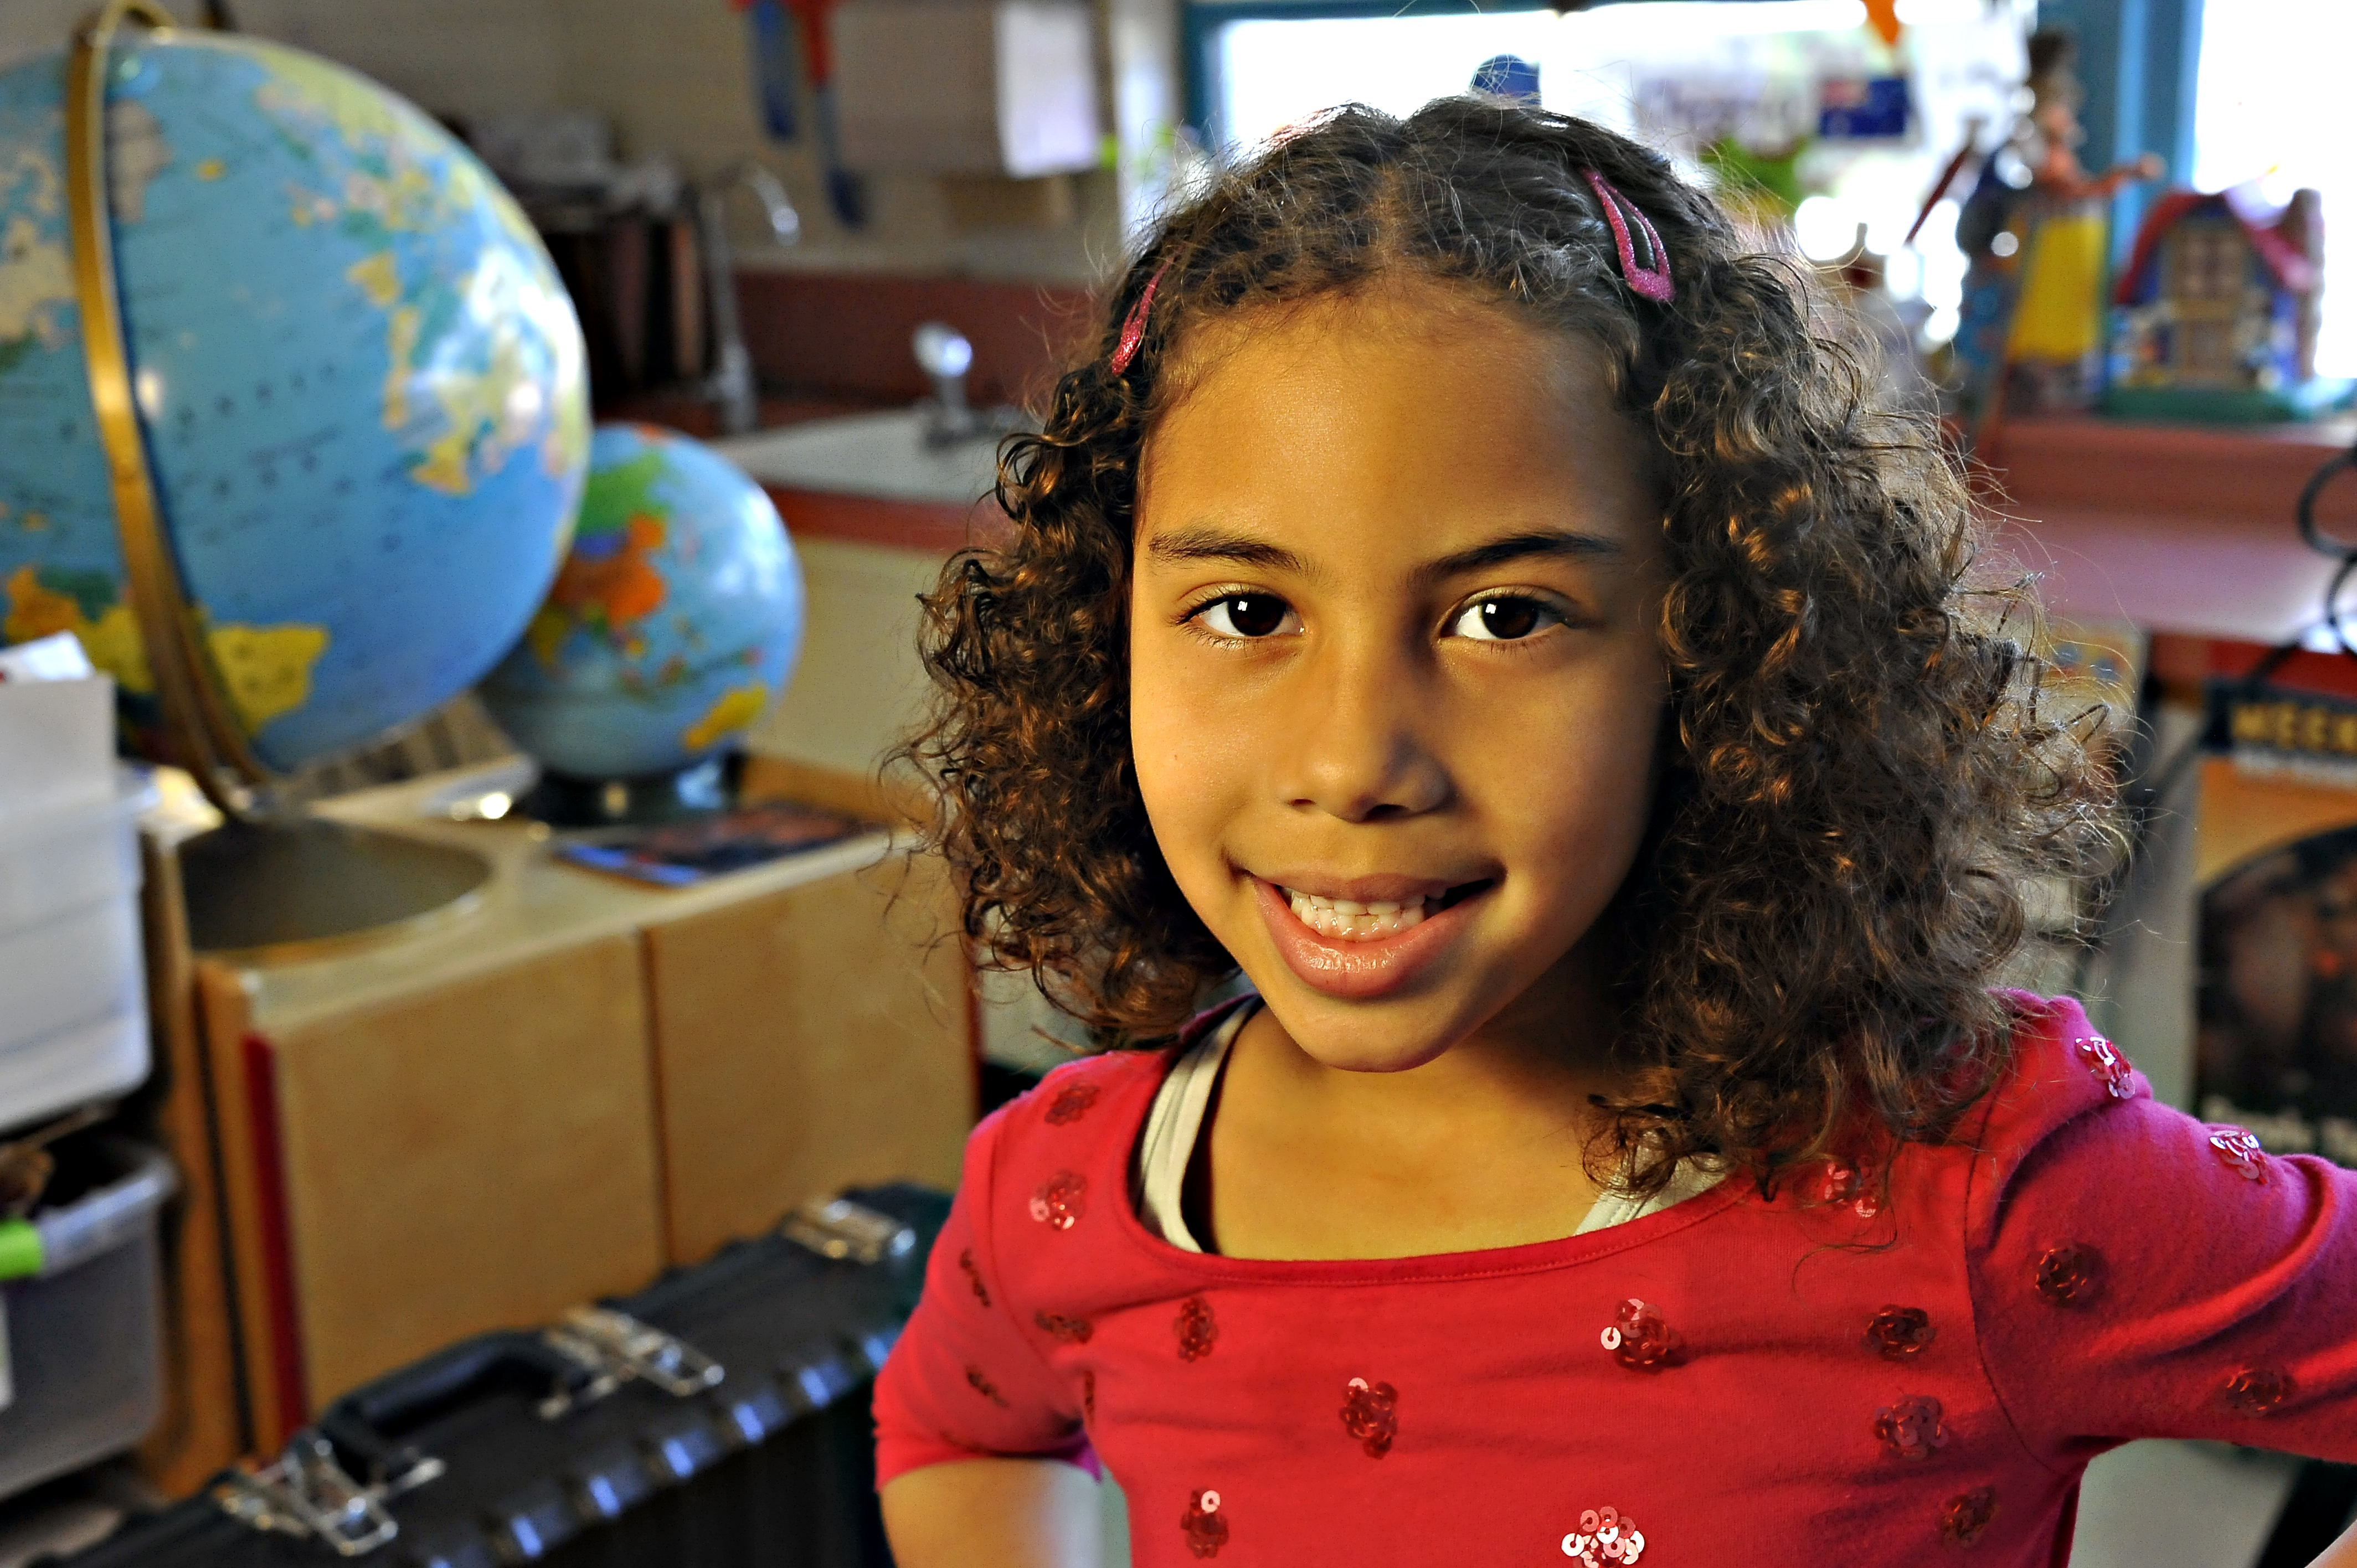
717 1419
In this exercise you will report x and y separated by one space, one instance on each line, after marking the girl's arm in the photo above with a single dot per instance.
2342 1553
1006 1513
980 1451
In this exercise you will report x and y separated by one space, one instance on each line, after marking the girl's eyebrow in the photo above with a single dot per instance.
1520 547
1208 543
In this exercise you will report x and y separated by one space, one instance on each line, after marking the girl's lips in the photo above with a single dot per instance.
1361 971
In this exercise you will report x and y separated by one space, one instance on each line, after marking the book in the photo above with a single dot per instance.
683 852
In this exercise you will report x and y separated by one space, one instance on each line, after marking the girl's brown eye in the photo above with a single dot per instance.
1248 616
1509 618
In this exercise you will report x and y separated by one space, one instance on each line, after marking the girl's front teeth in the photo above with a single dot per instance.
1347 920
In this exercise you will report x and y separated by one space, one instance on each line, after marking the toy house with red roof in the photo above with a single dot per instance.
2217 311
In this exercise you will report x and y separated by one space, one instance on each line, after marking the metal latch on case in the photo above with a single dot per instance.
305 1493
616 1348
840 1229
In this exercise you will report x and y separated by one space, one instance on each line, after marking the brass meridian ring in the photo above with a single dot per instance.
189 687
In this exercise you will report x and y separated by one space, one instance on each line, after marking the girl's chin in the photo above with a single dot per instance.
1345 1046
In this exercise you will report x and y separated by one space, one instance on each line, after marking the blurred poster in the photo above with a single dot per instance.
2278 872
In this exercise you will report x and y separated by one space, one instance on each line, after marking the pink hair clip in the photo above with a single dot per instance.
1650 277
1133 327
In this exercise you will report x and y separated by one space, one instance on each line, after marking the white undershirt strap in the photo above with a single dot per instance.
1174 1125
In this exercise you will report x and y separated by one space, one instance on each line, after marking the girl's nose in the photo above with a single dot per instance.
1357 751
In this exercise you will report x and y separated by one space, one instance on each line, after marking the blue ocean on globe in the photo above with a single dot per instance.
676 621
361 381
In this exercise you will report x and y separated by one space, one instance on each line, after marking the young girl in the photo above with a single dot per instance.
1463 594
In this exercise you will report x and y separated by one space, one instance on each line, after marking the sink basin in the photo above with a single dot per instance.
877 455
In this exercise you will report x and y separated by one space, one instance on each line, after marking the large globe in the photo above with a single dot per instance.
360 379
674 621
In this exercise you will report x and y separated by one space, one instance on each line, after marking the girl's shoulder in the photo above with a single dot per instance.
1063 1146
1081 1100
1071 1094
2059 1069
2067 1094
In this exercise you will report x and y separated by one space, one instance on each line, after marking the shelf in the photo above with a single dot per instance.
2177 528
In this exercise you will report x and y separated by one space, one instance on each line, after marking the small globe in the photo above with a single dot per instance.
360 380
673 622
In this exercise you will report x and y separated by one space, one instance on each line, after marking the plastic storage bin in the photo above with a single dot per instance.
85 1349
73 1007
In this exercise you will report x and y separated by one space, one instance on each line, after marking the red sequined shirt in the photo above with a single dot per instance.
1806 1381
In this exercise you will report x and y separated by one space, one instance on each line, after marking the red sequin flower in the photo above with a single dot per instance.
1088 1395
1061 1201
979 1382
1072 1103
2110 1068
2240 1152
1967 1516
973 1276
1640 1341
1604 1536
1071 1330
1371 1414
2070 1273
1897 1332
1196 1328
1844 1183
1206 1529
2255 1391
1912 1428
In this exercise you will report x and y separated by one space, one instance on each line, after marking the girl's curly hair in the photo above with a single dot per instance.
1856 779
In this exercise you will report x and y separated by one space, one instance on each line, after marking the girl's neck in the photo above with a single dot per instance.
1483 1146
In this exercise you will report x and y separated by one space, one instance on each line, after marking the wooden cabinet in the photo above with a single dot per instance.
806 1041
555 1095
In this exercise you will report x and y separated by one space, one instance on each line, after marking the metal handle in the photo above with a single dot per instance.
2318 539
370 1424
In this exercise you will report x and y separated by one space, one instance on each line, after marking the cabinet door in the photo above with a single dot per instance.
480 1155
806 1041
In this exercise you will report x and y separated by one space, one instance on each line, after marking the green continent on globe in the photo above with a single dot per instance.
461 417
609 584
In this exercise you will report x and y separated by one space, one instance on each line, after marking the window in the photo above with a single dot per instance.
2271 104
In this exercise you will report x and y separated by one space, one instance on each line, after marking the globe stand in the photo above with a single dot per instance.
289 887
696 790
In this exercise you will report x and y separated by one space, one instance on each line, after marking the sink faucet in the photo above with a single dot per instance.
943 353
946 418
732 386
